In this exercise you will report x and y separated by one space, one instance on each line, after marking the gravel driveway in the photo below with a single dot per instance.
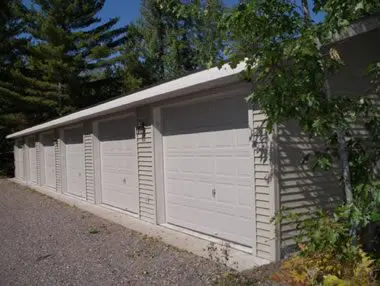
45 242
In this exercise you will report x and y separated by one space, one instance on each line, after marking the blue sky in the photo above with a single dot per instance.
128 10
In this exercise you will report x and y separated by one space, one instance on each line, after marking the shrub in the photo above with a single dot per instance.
325 269
328 251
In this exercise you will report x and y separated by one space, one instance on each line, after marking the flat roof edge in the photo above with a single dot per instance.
144 96
360 27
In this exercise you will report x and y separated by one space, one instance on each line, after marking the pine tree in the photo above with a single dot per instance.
20 105
206 37
70 48
135 71
9 29
153 26
166 46
179 38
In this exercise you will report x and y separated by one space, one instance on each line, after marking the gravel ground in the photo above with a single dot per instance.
45 242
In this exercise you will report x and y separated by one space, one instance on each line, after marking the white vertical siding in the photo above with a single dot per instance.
38 160
58 163
264 196
147 196
89 162
25 154
302 189
32 159
16 161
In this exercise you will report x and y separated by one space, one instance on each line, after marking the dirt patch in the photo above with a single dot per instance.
262 275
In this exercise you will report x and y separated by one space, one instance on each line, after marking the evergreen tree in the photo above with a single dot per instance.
153 25
136 71
9 28
19 105
24 97
180 38
70 48
206 37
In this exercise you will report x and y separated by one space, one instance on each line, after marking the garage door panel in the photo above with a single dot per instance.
73 137
118 162
187 165
218 224
244 168
32 160
203 116
243 137
120 201
19 161
190 188
242 195
118 178
226 167
223 139
75 171
49 160
245 196
118 153
208 230
208 168
208 204
194 177
226 194
119 147
120 129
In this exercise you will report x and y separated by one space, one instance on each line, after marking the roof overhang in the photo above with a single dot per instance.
362 26
196 82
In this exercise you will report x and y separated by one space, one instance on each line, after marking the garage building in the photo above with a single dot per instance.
190 155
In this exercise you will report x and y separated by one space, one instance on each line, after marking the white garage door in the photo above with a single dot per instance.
48 163
75 176
19 160
208 168
118 153
32 155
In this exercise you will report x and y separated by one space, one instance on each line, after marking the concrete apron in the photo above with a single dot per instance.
238 260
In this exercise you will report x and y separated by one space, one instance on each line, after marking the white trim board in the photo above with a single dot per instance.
185 85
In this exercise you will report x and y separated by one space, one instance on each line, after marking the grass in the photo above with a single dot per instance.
92 230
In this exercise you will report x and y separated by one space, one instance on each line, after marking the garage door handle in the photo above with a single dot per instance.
124 180
213 192
79 174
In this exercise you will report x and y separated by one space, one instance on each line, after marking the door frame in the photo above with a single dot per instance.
63 157
159 160
42 159
97 155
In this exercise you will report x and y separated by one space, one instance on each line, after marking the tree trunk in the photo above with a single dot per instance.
343 152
